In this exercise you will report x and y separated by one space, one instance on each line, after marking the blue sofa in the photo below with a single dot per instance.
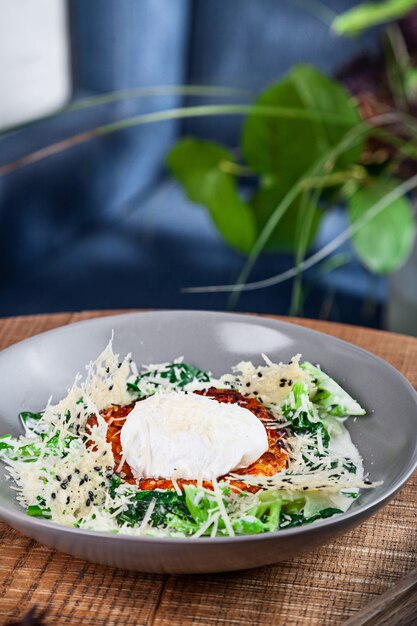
102 225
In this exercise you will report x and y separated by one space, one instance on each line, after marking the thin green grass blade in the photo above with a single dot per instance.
324 252
203 91
169 114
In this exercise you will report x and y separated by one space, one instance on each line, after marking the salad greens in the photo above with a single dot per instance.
171 375
330 396
319 481
198 508
302 414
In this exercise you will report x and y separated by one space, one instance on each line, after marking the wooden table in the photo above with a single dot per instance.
325 587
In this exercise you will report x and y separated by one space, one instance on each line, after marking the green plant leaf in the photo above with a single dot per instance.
285 235
287 149
384 243
369 14
201 168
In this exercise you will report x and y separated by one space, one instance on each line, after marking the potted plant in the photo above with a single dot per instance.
311 142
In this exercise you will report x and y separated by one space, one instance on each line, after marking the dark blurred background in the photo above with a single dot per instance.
102 224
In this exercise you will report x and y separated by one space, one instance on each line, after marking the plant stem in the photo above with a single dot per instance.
169 114
324 252
356 172
236 169
304 224
137 93
355 135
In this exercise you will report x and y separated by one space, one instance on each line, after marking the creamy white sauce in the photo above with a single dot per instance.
180 435
341 444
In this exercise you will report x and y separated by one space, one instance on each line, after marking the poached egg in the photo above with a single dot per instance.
177 435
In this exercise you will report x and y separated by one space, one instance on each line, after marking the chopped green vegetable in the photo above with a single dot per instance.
199 503
115 482
29 419
172 375
37 511
305 508
298 519
262 518
302 414
170 510
6 442
330 396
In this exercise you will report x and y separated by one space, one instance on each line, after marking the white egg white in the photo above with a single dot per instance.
183 435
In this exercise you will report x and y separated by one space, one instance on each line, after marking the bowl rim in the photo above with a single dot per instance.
341 519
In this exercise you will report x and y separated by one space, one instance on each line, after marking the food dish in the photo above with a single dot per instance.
30 370
170 451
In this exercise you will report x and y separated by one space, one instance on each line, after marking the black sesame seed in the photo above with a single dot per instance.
82 482
87 502
97 468
53 496
58 477
109 468
64 484
260 374
367 482
86 478
77 471
119 365
255 393
107 370
282 384
247 384
69 477
67 501
290 382
111 387
109 475
305 488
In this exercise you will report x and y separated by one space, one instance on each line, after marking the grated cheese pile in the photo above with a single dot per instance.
270 383
64 473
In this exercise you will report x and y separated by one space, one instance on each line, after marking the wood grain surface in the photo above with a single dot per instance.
324 587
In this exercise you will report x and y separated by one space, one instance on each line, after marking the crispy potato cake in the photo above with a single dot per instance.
271 462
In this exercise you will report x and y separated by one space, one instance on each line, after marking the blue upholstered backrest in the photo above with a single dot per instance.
119 44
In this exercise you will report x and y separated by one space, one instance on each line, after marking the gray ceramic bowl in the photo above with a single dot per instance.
387 437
